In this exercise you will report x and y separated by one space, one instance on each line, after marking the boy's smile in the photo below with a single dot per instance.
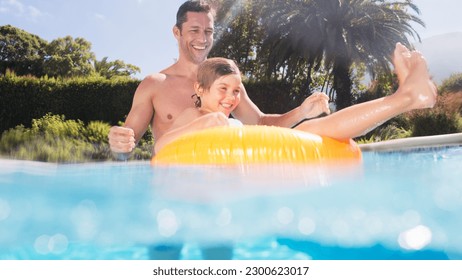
224 95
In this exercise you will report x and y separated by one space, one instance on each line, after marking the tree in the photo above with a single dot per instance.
367 33
338 33
27 54
238 34
20 51
69 57
117 68
291 45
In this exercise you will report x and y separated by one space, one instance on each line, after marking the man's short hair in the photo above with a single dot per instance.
197 6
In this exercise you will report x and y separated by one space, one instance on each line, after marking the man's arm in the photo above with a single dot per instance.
248 113
122 140
141 113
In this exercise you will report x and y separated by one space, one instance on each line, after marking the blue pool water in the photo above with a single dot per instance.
400 205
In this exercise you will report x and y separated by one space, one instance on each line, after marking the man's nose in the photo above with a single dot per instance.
202 37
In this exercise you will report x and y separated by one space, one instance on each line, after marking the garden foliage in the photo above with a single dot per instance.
24 98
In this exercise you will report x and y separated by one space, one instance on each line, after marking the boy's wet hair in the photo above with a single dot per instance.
197 6
213 68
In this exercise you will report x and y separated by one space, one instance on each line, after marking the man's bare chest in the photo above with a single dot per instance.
169 103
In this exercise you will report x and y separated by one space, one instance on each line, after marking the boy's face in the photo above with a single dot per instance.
224 95
195 39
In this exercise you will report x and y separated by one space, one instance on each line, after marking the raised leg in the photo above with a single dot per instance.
416 91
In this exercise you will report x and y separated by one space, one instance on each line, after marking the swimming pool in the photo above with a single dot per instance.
395 205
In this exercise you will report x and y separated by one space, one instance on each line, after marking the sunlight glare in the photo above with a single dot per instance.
285 215
167 222
415 238
5 209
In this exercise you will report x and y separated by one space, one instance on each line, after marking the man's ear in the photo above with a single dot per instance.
176 31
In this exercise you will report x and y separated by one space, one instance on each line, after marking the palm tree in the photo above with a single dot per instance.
366 32
338 33
292 48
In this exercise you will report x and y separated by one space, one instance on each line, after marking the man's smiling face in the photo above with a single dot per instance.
195 39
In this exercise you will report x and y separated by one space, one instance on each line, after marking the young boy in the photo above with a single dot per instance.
219 84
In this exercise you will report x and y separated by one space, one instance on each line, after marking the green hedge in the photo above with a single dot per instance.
273 97
88 99
23 99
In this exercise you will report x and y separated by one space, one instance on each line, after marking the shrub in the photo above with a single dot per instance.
52 138
56 126
452 84
434 122
398 127
444 118
384 133
96 132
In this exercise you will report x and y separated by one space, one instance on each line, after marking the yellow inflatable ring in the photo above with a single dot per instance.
255 145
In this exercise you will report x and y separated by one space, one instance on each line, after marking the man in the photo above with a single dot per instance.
162 96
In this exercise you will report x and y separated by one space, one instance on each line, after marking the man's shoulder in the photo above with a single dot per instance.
155 77
158 84
165 75
155 81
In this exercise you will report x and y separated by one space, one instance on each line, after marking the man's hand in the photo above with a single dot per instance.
121 141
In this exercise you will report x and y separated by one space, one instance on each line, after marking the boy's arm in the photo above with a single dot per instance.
248 113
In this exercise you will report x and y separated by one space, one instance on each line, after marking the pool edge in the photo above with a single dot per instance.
444 140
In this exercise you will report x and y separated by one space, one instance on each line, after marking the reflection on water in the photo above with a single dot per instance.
393 205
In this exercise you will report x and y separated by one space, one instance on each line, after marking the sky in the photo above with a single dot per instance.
139 32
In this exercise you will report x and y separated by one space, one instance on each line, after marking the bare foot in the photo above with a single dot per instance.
401 62
417 88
